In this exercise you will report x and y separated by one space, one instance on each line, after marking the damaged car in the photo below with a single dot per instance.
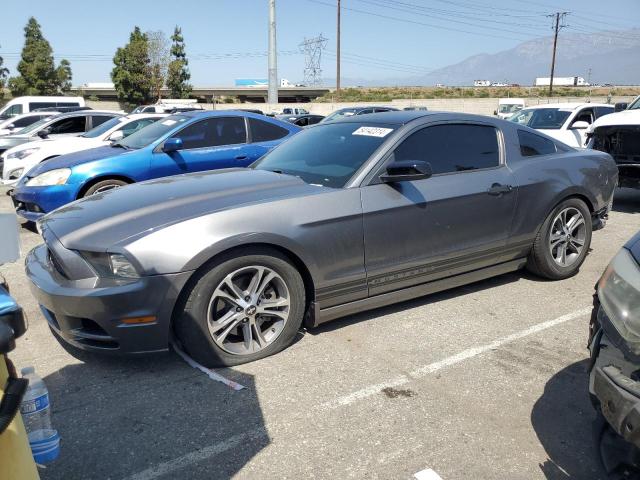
614 342
618 134
342 217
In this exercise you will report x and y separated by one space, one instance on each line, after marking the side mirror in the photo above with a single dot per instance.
116 136
172 144
11 126
406 170
495 112
618 107
579 125
44 133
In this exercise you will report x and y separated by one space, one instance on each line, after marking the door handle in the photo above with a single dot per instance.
241 157
498 189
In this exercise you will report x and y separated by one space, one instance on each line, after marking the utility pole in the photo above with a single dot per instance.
558 16
338 56
272 96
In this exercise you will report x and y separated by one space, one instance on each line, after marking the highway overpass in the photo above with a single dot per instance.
211 94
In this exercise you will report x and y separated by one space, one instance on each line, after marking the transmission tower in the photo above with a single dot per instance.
312 49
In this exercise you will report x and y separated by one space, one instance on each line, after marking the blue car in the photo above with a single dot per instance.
182 143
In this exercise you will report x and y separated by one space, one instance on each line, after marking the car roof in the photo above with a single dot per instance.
393 117
220 113
568 106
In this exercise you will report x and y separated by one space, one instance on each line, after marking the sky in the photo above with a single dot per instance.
227 39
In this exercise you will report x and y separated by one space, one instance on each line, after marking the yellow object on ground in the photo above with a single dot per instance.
16 461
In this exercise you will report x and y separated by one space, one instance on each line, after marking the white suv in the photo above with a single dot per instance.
15 162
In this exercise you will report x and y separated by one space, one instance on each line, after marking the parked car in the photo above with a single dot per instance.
294 111
19 105
508 106
614 342
172 107
341 218
9 125
57 126
301 120
16 161
351 111
619 135
567 122
188 142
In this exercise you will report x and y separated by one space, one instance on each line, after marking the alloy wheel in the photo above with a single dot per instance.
567 236
248 310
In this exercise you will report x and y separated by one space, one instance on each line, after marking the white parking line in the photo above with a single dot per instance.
192 458
427 474
449 361
234 441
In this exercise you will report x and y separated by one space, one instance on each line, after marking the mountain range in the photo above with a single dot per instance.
611 56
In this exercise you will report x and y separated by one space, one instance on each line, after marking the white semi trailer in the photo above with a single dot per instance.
561 82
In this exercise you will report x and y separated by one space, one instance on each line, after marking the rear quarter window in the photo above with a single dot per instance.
532 145
265 131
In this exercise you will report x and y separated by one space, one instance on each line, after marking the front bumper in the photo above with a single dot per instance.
614 382
34 202
89 314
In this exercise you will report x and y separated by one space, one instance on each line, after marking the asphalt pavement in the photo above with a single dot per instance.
486 381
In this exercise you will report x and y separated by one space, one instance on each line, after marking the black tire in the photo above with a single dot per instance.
103 185
541 262
190 321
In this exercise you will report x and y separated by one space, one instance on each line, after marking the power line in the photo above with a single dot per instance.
415 22
312 49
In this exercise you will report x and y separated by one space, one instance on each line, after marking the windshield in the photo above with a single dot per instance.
100 129
509 107
635 105
327 155
33 127
541 118
151 133
338 114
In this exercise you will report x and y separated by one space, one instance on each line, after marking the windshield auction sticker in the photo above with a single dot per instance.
373 131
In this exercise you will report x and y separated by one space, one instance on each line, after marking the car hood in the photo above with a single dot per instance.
633 245
8 141
100 221
625 117
76 158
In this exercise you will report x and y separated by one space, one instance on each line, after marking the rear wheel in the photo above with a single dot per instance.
563 241
245 307
103 186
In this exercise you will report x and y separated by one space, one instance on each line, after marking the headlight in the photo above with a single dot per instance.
619 294
19 155
15 174
52 177
110 264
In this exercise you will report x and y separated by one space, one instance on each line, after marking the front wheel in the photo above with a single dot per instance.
246 306
562 242
103 186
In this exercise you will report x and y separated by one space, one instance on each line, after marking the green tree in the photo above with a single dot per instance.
38 73
178 75
4 73
131 74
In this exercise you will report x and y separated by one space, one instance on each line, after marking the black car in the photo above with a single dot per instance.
302 120
614 342
351 111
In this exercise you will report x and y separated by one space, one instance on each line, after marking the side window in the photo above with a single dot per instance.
67 104
36 105
99 120
136 125
301 122
68 125
14 110
381 110
532 144
585 115
452 148
365 111
23 122
265 131
214 132
602 111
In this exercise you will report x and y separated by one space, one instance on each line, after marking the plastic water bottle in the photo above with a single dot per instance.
36 413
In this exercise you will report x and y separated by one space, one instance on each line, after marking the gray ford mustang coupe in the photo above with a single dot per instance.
343 217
